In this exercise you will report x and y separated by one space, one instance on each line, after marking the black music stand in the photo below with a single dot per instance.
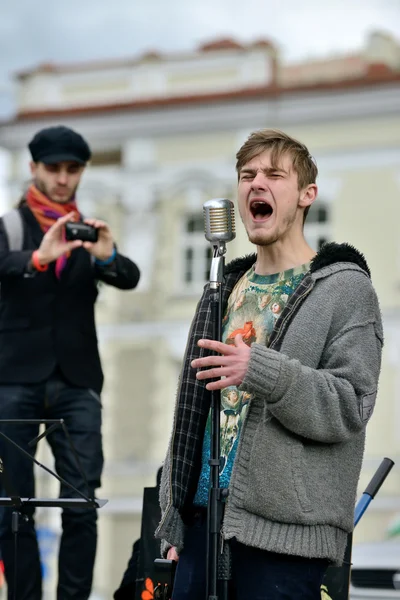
18 503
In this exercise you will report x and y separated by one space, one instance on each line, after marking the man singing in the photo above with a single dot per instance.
307 381
49 360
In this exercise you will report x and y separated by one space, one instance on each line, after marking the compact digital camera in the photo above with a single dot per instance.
81 231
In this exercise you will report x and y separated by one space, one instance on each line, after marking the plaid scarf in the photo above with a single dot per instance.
46 213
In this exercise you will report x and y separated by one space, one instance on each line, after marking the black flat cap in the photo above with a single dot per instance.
58 144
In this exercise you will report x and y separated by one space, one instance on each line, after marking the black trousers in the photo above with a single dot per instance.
81 410
256 574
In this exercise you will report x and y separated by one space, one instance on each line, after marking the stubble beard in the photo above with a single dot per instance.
41 186
267 238
260 238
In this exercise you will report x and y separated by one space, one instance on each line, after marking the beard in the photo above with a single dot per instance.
260 237
42 187
263 238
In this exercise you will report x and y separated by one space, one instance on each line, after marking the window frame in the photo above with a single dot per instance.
195 241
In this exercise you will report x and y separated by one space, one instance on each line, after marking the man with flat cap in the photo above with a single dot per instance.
49 360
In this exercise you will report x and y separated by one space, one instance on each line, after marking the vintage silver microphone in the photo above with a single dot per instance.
219 220
219 226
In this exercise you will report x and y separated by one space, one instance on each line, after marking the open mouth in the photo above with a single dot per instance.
260 210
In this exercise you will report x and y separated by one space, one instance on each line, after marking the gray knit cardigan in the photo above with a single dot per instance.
294 481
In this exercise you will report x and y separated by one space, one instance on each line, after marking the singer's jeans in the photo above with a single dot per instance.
81 410
256 574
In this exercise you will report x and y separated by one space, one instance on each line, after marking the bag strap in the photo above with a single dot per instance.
14 229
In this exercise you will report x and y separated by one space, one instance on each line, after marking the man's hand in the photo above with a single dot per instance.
53 243
232 365
104 247
172 554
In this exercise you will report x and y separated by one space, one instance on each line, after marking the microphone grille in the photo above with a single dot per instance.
219 219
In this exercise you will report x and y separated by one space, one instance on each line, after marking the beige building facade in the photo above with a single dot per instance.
164 131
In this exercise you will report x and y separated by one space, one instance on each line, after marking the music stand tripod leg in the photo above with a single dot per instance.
16 519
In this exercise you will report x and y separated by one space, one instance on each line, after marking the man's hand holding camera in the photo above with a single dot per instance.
55 245
103 249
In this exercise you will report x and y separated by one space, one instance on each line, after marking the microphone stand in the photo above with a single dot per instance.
218 551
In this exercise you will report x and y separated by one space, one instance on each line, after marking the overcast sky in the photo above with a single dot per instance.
79 30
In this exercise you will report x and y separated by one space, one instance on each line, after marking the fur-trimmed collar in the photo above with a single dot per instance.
242 263
333 253
329 254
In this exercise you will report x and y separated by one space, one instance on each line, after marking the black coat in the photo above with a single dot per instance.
47 322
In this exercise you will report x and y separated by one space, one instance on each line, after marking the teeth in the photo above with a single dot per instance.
259 203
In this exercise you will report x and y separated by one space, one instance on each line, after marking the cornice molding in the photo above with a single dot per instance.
244 114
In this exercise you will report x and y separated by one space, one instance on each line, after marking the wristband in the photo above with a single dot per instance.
36 264
108 261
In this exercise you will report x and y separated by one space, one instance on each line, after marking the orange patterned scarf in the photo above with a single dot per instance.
47 212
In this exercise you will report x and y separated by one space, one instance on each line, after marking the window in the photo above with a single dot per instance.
106 158
317 228
197 252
